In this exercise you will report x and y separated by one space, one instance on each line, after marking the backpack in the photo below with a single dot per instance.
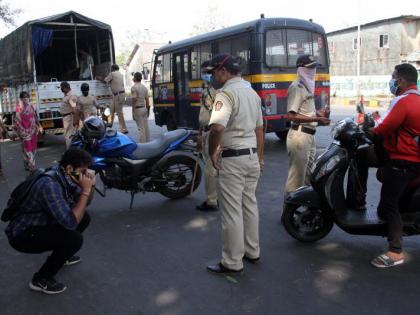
19 194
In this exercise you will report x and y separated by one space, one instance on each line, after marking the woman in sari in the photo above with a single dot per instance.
27 129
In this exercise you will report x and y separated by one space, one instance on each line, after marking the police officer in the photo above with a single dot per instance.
116 81
86 104
236 147
301 112
210 173
141 107
69 112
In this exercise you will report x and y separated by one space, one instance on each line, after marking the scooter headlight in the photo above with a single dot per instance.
327 167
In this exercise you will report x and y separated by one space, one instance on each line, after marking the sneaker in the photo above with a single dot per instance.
73 260
46 285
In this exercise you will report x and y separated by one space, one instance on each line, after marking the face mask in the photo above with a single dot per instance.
214 83
206 77
393 86
307 77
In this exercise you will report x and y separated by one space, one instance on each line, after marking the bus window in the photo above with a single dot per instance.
158 70
205 52
223 46
299 42
195 63
275 52
240 48
166 69
319 49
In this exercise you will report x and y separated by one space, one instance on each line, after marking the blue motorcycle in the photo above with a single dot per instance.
162 165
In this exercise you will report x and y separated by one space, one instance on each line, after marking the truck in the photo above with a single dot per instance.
40 54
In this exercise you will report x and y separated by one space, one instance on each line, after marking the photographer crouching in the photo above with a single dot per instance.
53 216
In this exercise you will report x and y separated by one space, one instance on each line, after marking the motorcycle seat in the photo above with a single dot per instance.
157 146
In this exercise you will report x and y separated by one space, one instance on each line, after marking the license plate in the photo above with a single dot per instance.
47 124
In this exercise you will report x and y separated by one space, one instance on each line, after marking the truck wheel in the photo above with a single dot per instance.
306 224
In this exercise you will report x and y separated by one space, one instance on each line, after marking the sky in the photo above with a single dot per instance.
173 20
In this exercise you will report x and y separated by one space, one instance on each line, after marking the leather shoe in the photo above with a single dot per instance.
221 270
251 260
206 207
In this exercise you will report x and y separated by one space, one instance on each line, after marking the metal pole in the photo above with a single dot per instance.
358 61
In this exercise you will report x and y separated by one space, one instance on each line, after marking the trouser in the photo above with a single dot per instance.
301 150
62 242
117 107
397 175
237 183
372 156
69 129
210 173
140 116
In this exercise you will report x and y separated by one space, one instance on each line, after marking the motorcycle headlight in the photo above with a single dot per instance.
107 111
327 167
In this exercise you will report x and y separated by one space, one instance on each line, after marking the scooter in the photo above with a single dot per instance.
310 212
166 165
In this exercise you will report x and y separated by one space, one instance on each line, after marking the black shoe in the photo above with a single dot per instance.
73 260
251 260
125 131
206 207
221 270
46 285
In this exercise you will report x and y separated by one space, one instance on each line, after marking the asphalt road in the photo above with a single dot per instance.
152 259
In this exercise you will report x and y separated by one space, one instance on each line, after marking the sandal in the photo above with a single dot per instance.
384 261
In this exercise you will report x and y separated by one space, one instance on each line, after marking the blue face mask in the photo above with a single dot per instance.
393 86
206 77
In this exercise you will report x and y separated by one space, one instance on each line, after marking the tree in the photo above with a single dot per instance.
133 37
8 14
212 18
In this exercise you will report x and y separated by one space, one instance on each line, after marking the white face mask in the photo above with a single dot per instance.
307 77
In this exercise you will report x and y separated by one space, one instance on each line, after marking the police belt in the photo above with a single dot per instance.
304 129
140 106
120 92
231 152
64 115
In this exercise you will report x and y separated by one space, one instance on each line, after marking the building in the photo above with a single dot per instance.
140 60
383 44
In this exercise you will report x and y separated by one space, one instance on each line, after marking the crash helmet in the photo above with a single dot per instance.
93 128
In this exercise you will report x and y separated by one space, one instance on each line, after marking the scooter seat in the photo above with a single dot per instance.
156 147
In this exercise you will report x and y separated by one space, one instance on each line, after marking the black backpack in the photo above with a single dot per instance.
19 194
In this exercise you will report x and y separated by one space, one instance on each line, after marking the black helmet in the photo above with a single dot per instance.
84 87
93 128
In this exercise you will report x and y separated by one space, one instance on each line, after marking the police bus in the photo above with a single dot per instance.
269 48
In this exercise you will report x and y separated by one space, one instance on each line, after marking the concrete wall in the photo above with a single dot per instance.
373 60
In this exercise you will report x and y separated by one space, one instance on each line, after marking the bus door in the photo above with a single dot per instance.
182 92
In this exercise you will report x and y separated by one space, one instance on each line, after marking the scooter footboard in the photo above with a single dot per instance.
305 196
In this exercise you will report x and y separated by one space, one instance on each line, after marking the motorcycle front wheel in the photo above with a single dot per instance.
306 224
178 172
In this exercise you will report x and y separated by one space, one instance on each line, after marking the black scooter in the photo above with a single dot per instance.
311 211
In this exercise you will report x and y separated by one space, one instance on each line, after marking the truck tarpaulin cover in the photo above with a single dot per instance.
41 39
20 47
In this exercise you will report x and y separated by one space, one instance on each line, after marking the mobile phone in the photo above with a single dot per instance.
75 175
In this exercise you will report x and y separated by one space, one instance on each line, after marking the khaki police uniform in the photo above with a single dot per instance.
116 83
210 173
67 111
87 105
139 93
238 108
300 143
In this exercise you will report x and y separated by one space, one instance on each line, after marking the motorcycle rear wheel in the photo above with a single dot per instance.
179 172
306 224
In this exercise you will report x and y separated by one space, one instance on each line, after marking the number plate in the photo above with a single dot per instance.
47 124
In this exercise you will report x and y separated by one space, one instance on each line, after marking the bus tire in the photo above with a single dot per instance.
170 123
282 135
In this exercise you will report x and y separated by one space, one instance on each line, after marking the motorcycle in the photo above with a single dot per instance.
311 211
162 165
